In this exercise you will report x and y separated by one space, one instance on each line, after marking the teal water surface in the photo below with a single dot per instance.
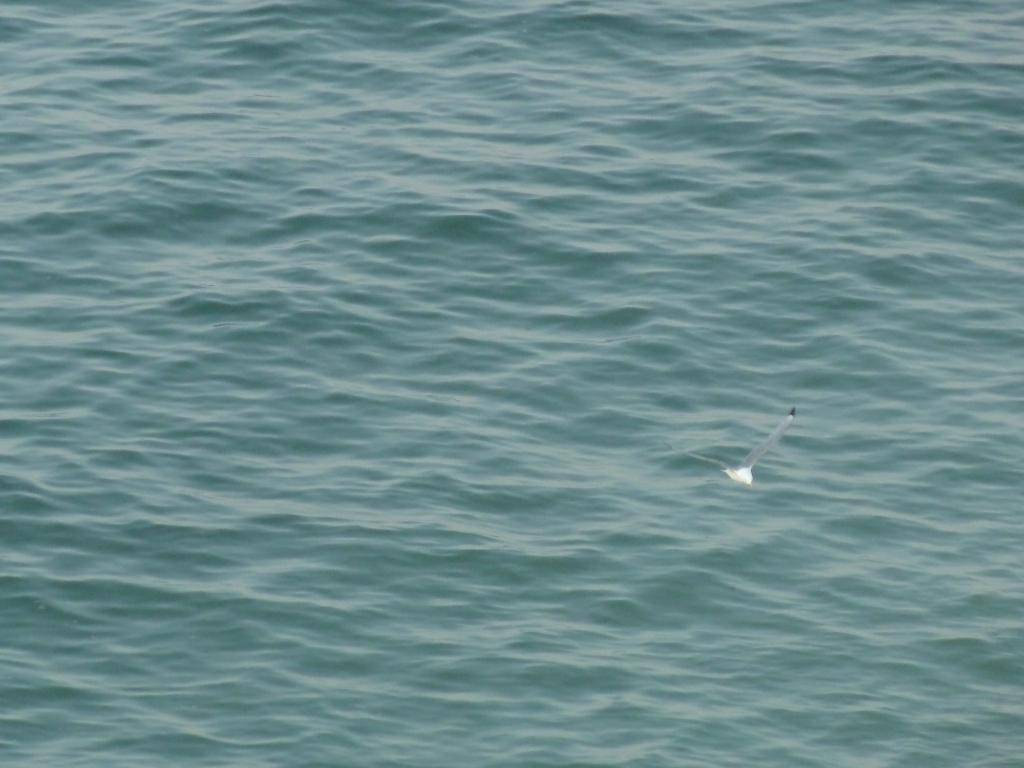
353 354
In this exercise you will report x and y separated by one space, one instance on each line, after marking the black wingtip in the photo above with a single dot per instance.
792 411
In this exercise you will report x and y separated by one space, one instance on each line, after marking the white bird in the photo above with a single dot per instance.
743 473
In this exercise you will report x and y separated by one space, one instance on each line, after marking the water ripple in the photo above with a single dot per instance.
354 355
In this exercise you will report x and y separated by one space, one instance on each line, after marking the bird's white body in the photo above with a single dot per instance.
740 474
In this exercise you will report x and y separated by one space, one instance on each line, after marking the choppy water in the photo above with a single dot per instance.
352 351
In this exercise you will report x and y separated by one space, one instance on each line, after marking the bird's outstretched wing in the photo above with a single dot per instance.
708 459
753 457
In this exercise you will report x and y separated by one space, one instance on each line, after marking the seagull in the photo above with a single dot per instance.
743 473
